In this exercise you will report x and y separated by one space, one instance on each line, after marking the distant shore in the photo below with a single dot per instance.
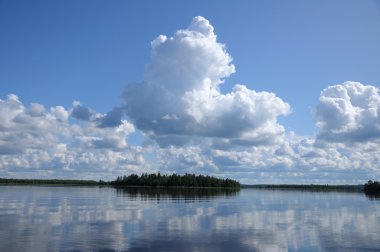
64 182
124 182
60 182
309 187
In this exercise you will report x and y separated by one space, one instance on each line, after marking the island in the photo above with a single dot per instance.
174 180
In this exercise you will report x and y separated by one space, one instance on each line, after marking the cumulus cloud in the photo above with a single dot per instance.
349 112
111 119
81 112
111 138
44 142
180 104
180 94
28 128
294 160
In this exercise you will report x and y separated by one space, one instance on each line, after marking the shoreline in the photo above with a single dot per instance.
298 187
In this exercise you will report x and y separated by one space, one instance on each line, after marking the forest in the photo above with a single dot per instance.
174 180
50 181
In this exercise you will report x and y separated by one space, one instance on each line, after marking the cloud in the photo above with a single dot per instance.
28 128
81 112
199 129
349 112
35 141
294 160
111 119
59 113
41 142
36 110
180 94
108 137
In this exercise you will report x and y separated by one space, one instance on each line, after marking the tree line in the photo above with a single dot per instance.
50 181
174 180
311 187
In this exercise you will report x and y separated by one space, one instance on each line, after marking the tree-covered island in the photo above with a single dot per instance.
174 180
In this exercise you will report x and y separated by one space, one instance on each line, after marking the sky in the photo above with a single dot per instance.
258 91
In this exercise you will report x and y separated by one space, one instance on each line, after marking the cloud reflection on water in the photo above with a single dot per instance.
90 218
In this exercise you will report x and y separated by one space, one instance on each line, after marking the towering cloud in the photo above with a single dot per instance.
349 112
180 94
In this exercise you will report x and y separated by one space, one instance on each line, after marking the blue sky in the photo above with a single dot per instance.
98 53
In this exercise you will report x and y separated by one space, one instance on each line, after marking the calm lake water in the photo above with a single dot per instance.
43 218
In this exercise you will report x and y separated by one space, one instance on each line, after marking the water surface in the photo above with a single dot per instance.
43 218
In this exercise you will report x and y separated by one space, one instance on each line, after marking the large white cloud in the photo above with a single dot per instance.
180 93
43 142
29 128
349 112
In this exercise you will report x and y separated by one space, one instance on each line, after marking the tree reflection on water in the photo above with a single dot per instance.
187 194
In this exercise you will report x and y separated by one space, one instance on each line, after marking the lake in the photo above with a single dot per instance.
53 218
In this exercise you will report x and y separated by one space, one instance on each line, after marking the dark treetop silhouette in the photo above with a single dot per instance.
372 187
187 180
